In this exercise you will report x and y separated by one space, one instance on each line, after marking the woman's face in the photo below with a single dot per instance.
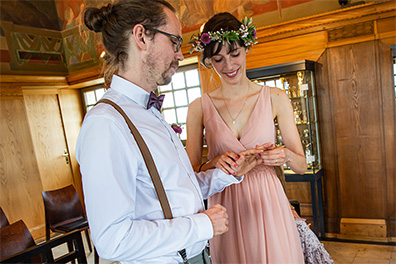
230 66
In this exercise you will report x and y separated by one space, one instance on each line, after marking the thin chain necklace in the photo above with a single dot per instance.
240 111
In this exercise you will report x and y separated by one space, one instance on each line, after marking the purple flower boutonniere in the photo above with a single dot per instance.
177 128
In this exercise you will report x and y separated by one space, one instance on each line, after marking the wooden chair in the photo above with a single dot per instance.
64 213
15 238
3 219
18 246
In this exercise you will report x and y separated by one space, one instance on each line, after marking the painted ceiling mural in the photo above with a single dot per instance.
194 13
65 14
60 44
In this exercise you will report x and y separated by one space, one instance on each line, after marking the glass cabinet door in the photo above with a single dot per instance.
297 80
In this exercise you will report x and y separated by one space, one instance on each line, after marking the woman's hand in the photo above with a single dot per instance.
273 156
228 162
239 164
295 214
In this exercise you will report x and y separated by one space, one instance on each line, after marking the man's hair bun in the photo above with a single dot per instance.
95 19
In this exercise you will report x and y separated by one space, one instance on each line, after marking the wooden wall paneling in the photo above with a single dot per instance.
48 139
299 191
328 148
358 129
20 182
72 117
386 82
337 18
386 27
304 47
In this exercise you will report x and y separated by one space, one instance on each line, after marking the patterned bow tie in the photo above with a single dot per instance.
155 101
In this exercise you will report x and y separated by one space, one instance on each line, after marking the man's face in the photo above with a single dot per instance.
163 60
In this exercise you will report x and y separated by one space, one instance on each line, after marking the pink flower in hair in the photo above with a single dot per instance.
205 38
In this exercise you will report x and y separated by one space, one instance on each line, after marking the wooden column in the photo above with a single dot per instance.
357 117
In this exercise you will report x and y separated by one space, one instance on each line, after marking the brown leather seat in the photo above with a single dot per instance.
64 213
3 219
15 238
18 246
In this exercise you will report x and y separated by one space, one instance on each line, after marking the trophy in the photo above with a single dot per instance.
308 155
305 117
300 77
297 112
279 138
285 85
293 91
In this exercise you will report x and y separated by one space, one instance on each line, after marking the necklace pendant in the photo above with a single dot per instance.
233 122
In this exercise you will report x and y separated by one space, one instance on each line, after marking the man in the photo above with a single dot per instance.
142 40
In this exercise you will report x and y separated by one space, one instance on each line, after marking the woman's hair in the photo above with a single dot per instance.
116 23
226 22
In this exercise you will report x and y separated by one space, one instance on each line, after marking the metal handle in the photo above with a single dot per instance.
66 155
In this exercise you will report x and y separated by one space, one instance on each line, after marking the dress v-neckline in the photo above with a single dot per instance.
247 123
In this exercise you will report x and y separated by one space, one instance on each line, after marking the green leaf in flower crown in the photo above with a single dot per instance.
245 20
233 36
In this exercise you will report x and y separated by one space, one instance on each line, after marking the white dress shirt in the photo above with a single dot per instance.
124 214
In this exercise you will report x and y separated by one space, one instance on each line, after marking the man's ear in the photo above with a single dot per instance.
139 36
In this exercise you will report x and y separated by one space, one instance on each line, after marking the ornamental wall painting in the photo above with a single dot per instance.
50 36
193 13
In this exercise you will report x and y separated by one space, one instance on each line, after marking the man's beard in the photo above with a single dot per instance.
164 78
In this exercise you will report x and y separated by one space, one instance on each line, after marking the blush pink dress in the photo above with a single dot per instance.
261 225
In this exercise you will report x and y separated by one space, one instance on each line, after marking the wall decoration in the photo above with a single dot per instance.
194 13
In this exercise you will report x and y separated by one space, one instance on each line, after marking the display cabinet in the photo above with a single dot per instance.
297 79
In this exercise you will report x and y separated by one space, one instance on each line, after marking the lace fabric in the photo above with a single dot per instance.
314 251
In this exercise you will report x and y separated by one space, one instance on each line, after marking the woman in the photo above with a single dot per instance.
237 115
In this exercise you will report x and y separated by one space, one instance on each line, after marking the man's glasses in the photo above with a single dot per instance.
179 39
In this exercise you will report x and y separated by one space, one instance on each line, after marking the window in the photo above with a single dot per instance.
184 88
393 47
91 95
394 74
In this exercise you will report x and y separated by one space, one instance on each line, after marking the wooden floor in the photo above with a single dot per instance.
341 252
355 253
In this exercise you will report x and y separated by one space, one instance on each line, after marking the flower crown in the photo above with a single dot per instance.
247 33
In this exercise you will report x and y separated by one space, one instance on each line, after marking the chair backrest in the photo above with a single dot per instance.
15 238
61 205
3 219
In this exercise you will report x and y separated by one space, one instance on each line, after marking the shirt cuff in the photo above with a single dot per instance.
205 227
230 178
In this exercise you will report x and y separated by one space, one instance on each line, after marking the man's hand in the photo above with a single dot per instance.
219 218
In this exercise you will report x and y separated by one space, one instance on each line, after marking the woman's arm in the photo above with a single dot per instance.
292 153
194 145
195 128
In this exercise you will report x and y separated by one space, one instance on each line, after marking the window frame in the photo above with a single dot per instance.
184 68
88 89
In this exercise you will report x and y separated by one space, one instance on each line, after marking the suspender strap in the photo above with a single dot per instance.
148 160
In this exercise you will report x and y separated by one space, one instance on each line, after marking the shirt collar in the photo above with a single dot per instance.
130 90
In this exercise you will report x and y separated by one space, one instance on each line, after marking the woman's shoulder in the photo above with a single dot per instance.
215 93
196 103
278 94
